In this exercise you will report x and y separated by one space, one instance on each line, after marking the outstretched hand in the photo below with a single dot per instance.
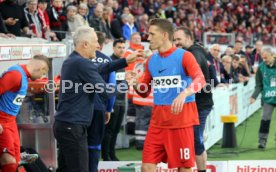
136 55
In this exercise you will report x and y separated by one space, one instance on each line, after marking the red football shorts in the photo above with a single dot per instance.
9 139
174 146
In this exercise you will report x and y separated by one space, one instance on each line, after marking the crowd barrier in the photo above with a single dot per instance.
229 100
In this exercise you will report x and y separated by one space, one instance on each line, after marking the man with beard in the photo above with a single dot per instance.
183 38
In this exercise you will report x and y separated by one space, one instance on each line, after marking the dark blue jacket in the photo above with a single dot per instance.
255 57
204 97
76 96
102 104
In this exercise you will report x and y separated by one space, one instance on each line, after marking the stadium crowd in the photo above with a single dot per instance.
119 18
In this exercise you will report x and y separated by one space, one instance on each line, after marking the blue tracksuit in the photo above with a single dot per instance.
102 105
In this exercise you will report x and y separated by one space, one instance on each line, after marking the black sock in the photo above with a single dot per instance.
201 171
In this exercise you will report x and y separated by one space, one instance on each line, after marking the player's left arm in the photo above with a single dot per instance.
10 81
193 70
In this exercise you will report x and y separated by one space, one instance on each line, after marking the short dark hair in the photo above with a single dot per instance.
230 46
118 41
163 24
248 46
101 37
43 58
186 31
42 1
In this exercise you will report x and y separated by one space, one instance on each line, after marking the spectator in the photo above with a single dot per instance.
170 11
117 26
214 58
238 48
14 18
71 2
229 51
248 53
234 71
91 7
73 21
117 10
3 28
95 21
129 28
107 23
34 19
58 20
41 8
256 57
244 68
137 8
109 3
231 17
160 14
82 14
126 10
4 33
143 26
225 76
